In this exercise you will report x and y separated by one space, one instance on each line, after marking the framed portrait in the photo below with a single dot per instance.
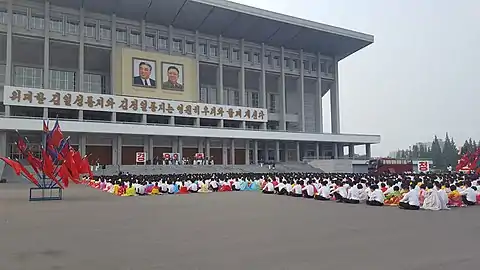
144 73
172 76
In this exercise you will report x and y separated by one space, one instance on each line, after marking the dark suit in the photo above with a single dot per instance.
138 81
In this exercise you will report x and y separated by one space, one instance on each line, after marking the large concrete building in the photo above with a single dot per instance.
182 76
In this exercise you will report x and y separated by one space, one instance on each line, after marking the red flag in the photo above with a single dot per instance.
86 167
72 166
56 136
19 169
14 164
64 174
21 144
28 175
45 126
48 168
34 162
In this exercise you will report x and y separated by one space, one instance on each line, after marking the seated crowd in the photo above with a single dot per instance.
411 192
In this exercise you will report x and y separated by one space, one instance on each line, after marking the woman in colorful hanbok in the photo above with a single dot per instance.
454 197
130 191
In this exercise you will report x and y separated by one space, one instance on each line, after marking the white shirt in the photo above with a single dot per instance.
171 188
297 189
237 184
325 192
289 188
280 186
471 194
411 197
146 82
163 187
213 184
310 190
377 195
193 187
269 187
342 191
354 194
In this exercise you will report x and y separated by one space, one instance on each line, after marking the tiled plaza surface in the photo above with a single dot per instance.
90 229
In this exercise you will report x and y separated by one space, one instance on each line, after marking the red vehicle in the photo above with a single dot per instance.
389 165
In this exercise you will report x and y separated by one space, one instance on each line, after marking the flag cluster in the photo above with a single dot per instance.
469 162
59 161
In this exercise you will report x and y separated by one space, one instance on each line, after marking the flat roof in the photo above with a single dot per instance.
233 20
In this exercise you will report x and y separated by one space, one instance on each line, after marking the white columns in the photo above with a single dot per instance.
301 88
224 153
197 58
46 47
299 158
368 150
318 97
144 118
117 150
200 142
146 147
283 112
266 157
8 66
113 58
80 115
114 117
255 151
3 143
247 152
277 151
81 50
232 151
351 150
144 38
263 85
82 144
207 147
150 148
243 102
180 147
220 72
317 150
335 102
335 150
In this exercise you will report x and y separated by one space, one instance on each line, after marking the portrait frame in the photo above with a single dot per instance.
136 73
164 76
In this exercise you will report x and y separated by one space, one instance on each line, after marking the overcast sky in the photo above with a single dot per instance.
417 79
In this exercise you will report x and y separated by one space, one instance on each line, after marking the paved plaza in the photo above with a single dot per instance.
246 230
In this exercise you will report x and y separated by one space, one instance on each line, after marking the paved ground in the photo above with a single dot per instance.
248 230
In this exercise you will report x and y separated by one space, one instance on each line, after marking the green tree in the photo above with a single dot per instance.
437 156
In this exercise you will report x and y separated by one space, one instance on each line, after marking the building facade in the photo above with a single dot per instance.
195 76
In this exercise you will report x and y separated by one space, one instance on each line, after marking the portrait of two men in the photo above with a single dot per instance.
145 75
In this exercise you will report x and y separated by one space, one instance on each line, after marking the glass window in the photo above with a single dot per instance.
273 103
89 30
323 66
236 98
225 96
276 61
28 77
305 65
62 80
177 45
204 94
247 57
105 33
255 100
295 64
256 58
37 22
236 55
121 35
286 62
331 68
163 42
150 40
72 28
268 59
20 19
56 25
314 66
94 83
226 52
3 17
203 49
2 74
135 38
190 47
213 50
247 99
212 95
